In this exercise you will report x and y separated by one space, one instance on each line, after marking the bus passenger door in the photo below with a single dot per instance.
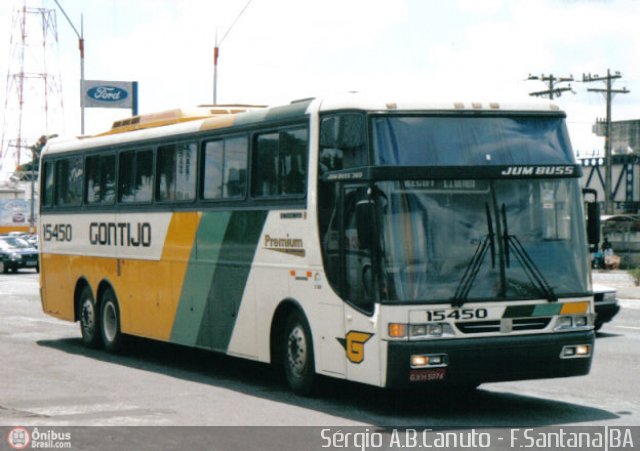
360 341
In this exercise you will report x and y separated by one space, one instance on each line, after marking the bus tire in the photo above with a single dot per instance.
297 354
89 320
112 339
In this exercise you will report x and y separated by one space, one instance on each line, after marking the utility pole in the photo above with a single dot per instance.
552 89
609 91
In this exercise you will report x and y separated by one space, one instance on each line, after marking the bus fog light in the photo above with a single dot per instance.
575 351
583 350
428 360
419 361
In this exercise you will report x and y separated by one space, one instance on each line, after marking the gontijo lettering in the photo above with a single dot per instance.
124 234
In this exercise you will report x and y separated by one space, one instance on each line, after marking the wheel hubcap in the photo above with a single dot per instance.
297 350
110 321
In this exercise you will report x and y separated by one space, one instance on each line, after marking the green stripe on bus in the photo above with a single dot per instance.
202 264
527 311
547 309
229 279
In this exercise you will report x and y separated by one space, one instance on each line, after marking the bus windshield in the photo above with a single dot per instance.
480 239
455 141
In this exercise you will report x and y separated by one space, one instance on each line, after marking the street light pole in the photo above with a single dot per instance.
81 48
216 53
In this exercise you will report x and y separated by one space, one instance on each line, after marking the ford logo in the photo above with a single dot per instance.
107 94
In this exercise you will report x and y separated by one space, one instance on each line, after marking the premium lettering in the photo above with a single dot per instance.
121 234
293 246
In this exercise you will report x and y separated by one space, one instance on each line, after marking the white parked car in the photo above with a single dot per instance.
606 304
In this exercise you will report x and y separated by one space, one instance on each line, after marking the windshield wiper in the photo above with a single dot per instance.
470 274
532 271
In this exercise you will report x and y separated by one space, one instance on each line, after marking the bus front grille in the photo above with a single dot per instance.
514 324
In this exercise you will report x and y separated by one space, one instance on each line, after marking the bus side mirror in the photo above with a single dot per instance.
364 221
593 223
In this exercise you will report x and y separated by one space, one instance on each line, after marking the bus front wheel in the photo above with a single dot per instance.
299 367
89 319
110 322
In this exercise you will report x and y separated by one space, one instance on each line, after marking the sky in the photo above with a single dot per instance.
281 50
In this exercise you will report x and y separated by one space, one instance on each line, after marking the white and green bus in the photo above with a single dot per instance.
398 244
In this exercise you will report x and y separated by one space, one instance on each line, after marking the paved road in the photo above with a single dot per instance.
47 377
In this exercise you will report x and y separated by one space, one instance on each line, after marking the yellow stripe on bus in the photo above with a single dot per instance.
148 292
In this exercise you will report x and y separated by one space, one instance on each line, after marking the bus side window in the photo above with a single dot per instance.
280 163
176 172
69 174
342 142
47 184
293 159
235 167
136 176
100 179
224 164
265 165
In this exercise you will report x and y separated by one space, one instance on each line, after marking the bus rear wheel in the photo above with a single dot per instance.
110 322
298 360
89 319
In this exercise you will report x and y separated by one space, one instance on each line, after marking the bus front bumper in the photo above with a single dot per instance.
489 359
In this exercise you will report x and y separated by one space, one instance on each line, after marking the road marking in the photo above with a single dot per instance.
632 304
628 327
62 409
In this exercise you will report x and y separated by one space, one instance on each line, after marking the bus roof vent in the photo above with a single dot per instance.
176 116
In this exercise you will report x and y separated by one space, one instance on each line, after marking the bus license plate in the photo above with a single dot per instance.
435 374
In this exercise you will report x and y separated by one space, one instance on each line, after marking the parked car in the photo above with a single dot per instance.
606 304
16 253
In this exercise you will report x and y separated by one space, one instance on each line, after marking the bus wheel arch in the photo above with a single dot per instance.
292 347
87 313
110 319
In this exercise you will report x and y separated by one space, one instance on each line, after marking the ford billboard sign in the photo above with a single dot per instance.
109 94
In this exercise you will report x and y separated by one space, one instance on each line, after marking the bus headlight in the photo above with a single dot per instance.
419 331
564 322
580 321
427 330
572 321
